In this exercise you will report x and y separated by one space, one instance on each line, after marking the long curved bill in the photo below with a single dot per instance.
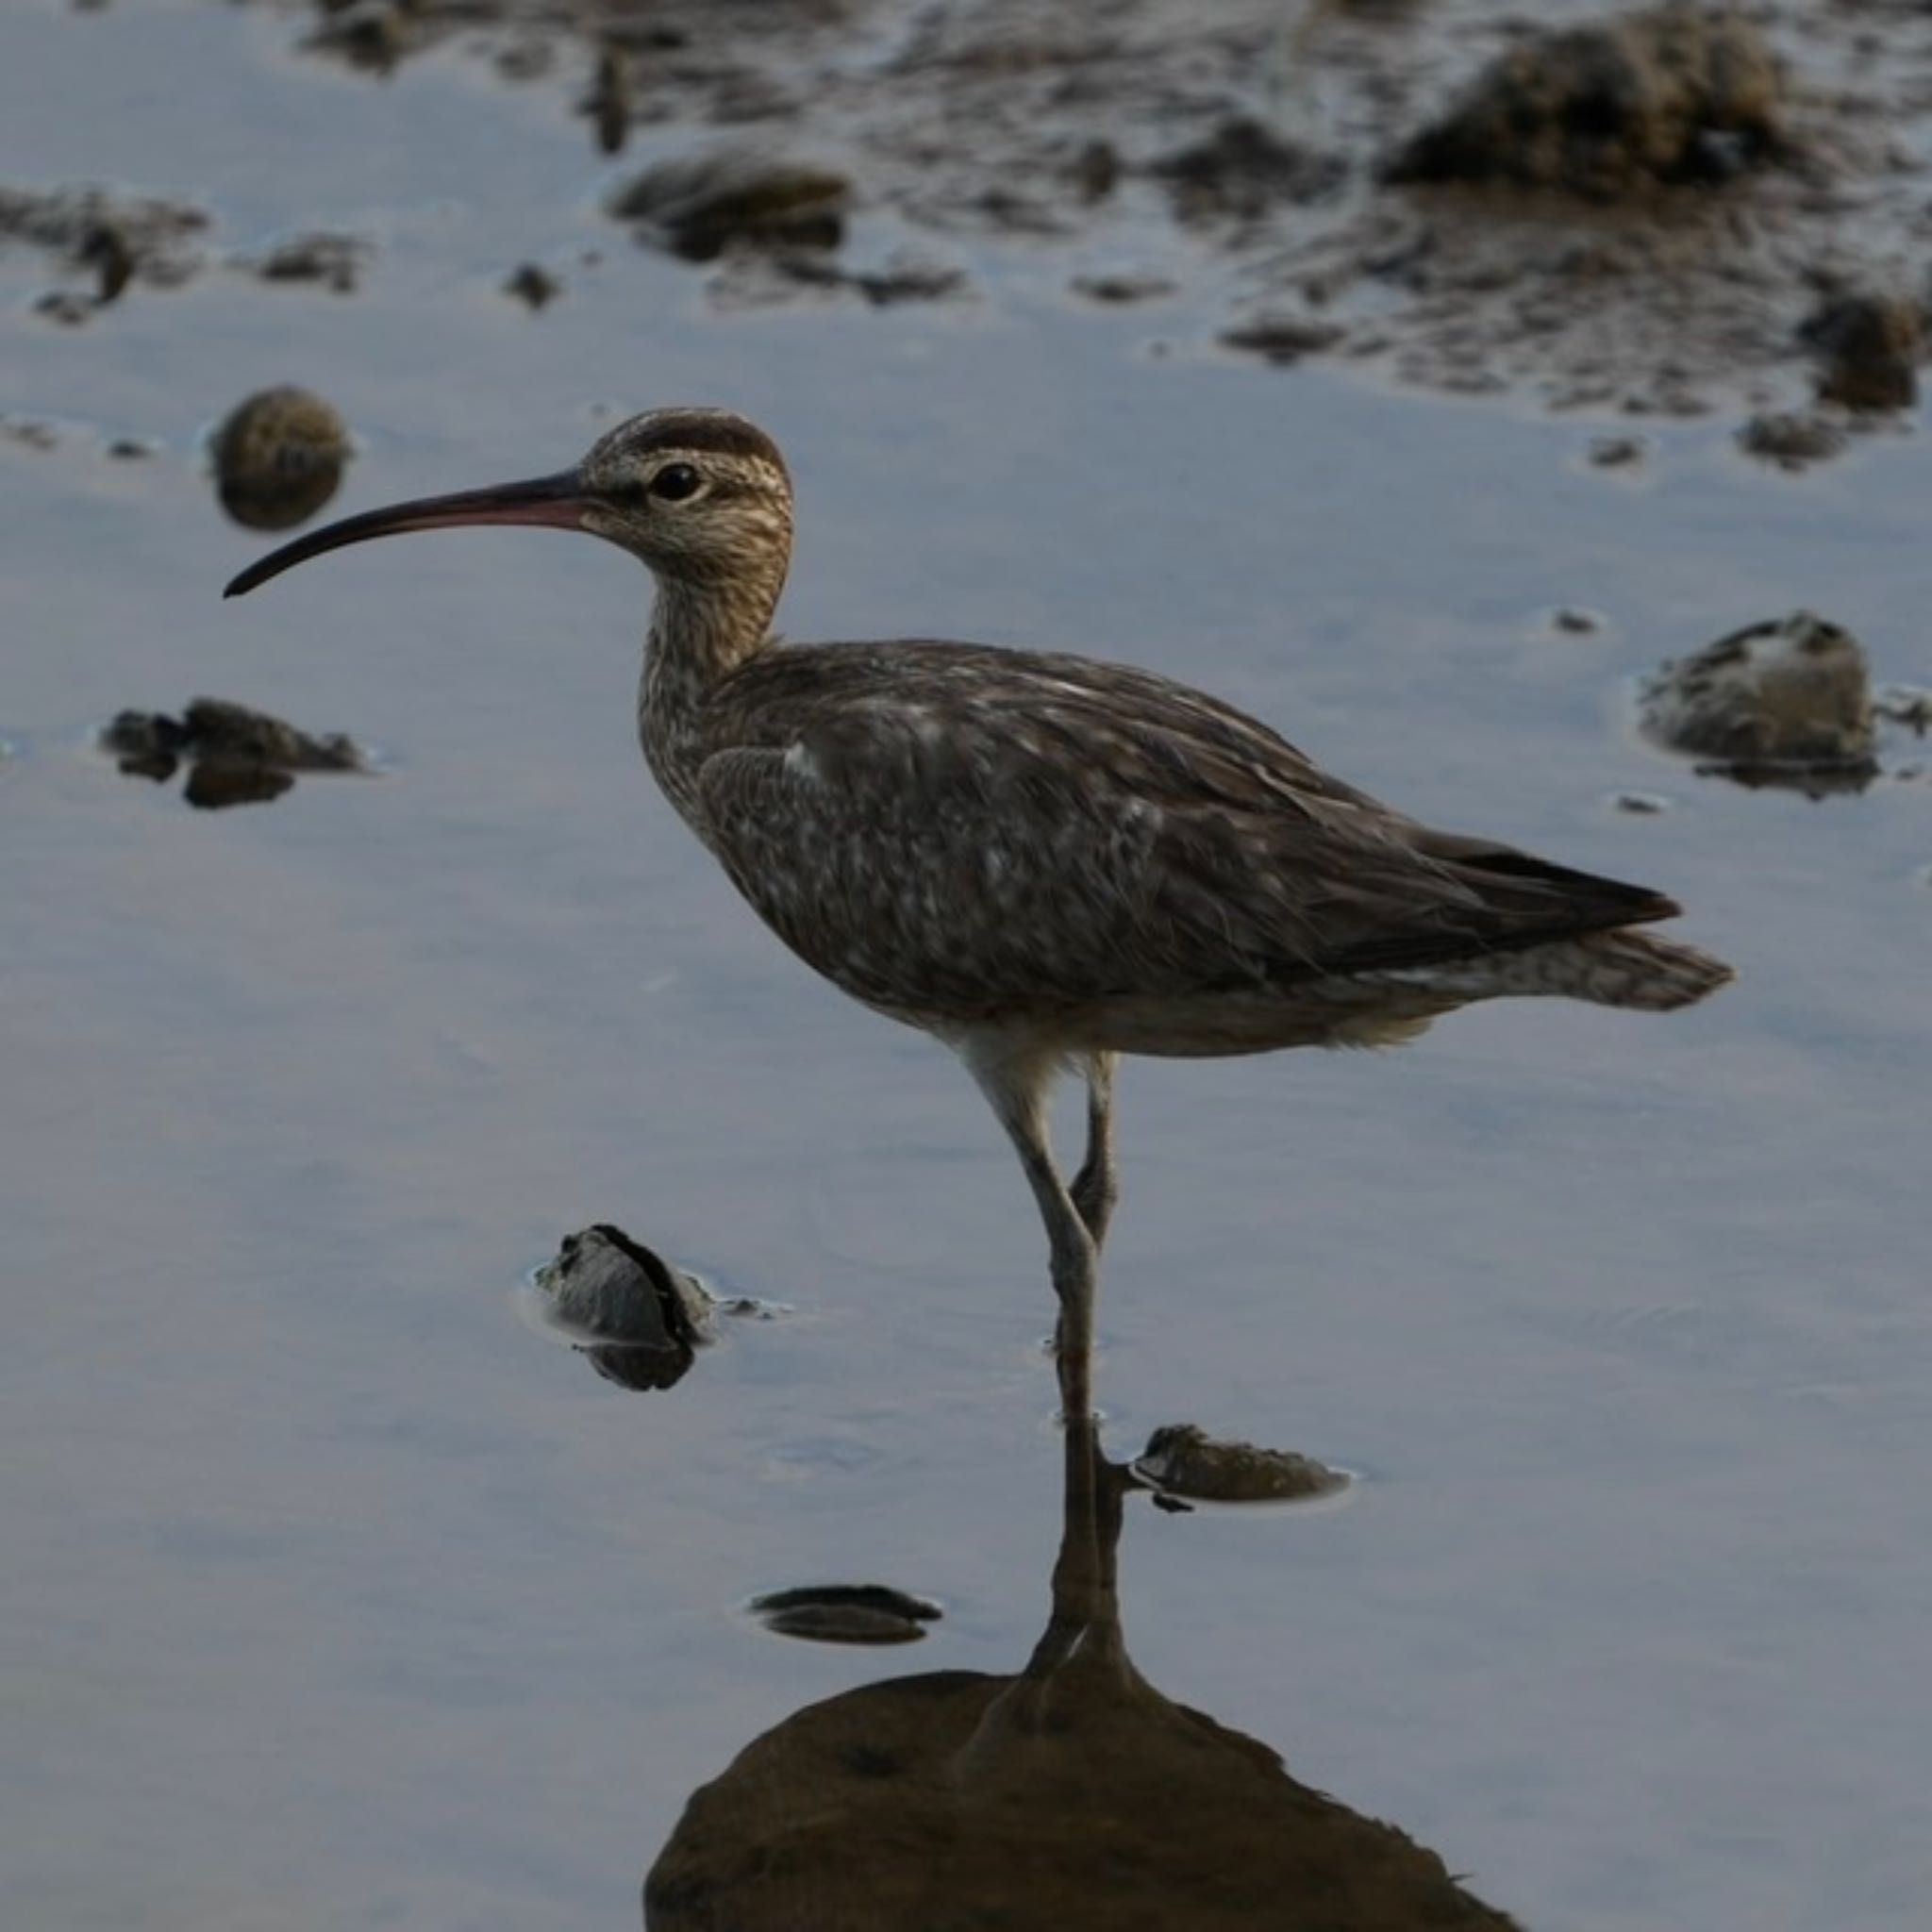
556 502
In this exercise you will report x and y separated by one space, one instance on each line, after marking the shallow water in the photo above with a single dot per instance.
334 1596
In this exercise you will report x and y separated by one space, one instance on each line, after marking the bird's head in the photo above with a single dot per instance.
701 495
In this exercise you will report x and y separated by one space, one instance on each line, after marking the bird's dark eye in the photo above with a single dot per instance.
674 482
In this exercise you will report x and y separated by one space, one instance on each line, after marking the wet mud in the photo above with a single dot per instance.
1663 211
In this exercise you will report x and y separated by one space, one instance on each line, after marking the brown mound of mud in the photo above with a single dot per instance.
1603 111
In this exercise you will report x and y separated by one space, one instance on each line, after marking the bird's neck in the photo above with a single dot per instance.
701 631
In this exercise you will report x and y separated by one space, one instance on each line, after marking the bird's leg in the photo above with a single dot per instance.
1018 1086
1098 1186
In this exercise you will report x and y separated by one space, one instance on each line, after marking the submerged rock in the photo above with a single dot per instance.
703 204
235 754
278 457
1185 1461
1787 702
1669 95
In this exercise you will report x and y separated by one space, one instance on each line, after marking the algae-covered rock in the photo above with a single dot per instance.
1186 1461
278 457
1786 701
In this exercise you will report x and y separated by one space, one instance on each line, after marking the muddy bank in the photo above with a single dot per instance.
1646 211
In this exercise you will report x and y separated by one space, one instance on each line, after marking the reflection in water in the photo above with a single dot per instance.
1072 1794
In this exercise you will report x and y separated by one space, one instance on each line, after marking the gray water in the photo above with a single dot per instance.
333 1596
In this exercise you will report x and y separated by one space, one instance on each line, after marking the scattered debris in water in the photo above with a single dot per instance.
335 260
1618 452
1791 440
1612 109
845 1613
640 1319
234 754
1569 621
1123 288
699 205
1786 703
114 239
278 457
29 432
1184 1461
533 286
901 280
1869 348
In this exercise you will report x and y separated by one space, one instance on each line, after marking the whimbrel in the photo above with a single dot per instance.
1043 860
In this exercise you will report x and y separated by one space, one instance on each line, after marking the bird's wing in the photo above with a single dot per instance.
964 829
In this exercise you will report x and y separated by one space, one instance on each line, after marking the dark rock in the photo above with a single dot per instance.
235 754
1184 1460
533 285
278 457
1869 346
1665 96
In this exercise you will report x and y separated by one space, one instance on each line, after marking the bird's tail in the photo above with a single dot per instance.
1618 967
1624 967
